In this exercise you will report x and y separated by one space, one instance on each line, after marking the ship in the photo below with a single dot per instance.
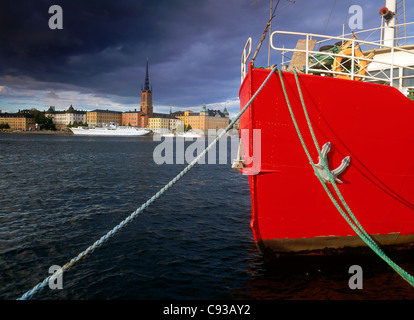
337 116
187 134
111 130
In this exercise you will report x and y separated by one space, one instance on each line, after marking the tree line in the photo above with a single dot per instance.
45 123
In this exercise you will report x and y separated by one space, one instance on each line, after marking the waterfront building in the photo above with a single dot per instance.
62 119
176 124
18 121
100 117
131 118
140 118
204 120
162 122
158 122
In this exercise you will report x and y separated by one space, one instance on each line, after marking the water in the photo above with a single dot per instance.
59 194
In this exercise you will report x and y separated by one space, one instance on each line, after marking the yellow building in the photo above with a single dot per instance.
161 121
18 121
158 123
205 120
99 117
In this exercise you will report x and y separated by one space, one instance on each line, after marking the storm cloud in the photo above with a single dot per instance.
194 48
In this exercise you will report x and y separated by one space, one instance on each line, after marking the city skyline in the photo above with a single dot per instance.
97 61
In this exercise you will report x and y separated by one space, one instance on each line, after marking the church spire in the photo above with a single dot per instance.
146 100
146 87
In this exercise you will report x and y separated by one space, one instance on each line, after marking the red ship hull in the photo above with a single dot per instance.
371 123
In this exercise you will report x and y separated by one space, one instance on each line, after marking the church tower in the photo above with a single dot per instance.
146 98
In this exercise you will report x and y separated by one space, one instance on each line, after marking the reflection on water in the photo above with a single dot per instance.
62 193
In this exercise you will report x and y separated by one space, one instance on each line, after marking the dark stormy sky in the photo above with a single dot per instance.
194 48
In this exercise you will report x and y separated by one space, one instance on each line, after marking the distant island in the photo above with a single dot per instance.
53 120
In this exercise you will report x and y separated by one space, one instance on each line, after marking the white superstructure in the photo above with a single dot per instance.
111 130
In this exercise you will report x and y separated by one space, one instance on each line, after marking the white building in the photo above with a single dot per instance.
63 118
176 124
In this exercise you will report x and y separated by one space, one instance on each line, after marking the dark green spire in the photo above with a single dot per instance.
146 87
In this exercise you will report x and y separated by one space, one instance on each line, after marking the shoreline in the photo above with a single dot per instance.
42 132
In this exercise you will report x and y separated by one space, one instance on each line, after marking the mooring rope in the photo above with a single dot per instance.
125 222
356 226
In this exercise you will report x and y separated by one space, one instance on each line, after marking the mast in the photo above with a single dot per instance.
388 13
401 28
270 32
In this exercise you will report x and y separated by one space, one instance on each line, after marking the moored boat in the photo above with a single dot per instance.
187 134
111 130
358 96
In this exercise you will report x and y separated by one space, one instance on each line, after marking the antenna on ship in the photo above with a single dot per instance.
268 24
401 28
270 32
268 27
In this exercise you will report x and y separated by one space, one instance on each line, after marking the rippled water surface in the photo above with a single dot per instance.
59 194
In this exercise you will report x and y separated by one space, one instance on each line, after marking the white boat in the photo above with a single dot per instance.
188 134
111 130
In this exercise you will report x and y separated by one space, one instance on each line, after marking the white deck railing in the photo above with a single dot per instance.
371 61
377 63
